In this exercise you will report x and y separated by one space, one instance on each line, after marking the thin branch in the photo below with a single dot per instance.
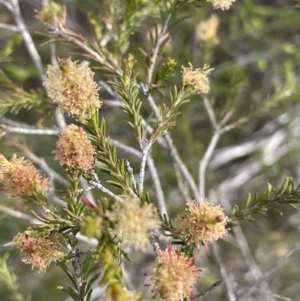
76 264
210 111
97 184
183 187
45 167
15 9
243 245
95 55
225 276
157 187
145 149
182 167
171 147
234 125
272 269
130 170
204 163
30 131
127 149
91 241
9 27
7 4
156 50
213 286
19 215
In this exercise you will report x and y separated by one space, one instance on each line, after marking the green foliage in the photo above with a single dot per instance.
167 114
254 76
89 275
128 91
10 282
20 99
287 194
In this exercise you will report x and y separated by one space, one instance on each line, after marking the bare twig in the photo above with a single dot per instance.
95 55
90 241
97 184
183 187
271 270
225 276
157 186
210 150
214 285
30 130
145 149
15 9
156 50
172 149
210 111
204 163
9 27
130 170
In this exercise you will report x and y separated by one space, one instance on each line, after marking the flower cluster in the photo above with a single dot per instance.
134 221
207 30
50 14
38 251
72 87
74 150
223 4
173 275
21 179
197 78
203 222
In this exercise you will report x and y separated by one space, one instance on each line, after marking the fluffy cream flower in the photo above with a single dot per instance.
21 179
223 4
72 87
173 275
203 222
207 30
134 221
38 251
74 150
197 78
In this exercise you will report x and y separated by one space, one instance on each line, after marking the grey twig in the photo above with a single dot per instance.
15 9
156 50
95 55
157 187
232 126
171 147
210 111
214 285
91 241
210 150
130 170
97 184
183 187
156 247
225 276
243 245
29 130
45 167
19 215
204 163
127 149
271 270
147 145
75 260
9 27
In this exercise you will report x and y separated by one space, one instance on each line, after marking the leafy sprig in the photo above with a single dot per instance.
268 201
20 99
127 89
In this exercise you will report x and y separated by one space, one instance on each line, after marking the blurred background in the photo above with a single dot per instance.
256 61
